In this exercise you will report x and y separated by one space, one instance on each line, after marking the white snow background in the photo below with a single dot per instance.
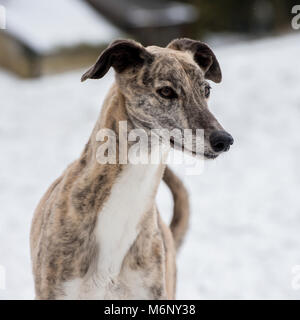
49 25
244 235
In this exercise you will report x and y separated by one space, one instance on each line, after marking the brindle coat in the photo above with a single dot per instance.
64 243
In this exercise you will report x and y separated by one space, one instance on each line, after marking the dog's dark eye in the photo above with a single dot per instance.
207 91
167 93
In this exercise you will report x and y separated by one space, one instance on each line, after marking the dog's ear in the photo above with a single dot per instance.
120 54
203 55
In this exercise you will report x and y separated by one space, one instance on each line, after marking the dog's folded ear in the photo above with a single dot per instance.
120 54
203 55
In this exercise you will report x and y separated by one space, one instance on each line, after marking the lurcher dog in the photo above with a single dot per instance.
96 233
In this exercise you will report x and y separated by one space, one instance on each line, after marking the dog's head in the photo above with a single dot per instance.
167 87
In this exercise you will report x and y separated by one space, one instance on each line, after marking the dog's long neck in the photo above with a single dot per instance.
124 193
113 112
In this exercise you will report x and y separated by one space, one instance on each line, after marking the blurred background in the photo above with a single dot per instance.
244 236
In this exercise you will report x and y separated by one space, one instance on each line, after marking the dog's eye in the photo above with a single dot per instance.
207 91
167 93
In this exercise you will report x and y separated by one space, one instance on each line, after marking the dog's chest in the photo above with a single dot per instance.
117 228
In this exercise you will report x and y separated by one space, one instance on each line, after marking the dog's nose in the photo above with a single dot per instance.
220 141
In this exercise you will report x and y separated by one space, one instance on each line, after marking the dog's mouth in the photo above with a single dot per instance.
209 155
180 147
175 145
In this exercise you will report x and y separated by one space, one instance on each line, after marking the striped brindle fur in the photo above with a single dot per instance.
96 233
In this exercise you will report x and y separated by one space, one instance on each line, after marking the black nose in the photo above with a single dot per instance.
220 141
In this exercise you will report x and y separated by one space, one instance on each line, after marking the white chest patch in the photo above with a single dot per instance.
118 222
116 230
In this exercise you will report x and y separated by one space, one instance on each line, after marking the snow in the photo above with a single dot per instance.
173 13
244 236
48 25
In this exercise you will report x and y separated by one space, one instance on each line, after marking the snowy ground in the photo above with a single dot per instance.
244 237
